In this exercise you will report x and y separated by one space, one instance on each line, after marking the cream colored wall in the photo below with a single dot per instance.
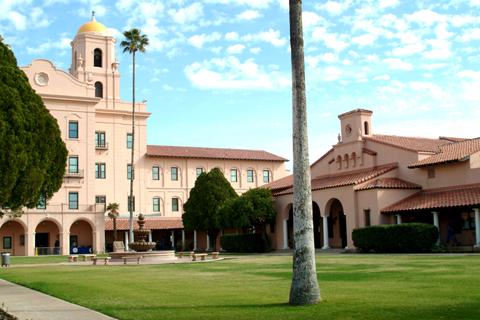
167 189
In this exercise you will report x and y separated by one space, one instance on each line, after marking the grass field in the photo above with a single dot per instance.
257 287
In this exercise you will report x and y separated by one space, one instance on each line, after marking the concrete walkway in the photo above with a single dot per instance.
29 304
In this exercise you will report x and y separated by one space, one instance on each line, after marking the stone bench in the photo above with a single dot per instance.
181 254
215 254
87 257
138 258
202 256
73 258
105 260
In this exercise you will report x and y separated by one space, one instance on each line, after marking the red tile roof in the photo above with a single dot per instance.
342 179
410 143
388 183
464 195
451 152
211 153
150 223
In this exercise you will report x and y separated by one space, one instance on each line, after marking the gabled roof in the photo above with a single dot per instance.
341 179
410 143
388 183
150 223
211 153
457 196
452 152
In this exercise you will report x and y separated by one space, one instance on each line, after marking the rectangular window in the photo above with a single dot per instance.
266 176
7 242
100 139
100 199
366 214
130 204
73 164
100 170
72 129
155 173
42 202
174 173
199 171
73 200
130 172
233 175
129 140
250 175
174 204
156 204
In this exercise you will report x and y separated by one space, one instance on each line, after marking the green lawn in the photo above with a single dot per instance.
257 287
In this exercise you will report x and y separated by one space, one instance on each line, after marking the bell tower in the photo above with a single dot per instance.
94 61
355 124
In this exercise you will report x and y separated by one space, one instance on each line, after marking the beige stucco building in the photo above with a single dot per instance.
96 127
368 179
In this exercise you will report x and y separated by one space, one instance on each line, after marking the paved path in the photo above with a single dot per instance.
29 304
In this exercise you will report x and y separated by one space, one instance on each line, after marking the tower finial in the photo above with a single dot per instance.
93 15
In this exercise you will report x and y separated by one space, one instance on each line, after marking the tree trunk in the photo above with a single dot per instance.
304 289
114 229
133 152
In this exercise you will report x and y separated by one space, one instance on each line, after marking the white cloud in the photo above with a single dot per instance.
310 19
408 50
388 3
235 49
231 36
334 8
260 4
313 61
383 77
365 39
231 73
255 50
426 17
188 14
249 15
62 44
398 64
271 36
440 49
18 20
331 40
199 40
434 90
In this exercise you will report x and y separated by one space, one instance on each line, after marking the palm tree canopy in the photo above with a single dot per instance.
112 210
134 41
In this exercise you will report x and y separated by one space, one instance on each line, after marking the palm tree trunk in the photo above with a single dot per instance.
114 229
132 175
304 289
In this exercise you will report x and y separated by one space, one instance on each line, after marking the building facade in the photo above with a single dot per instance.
96 127
368 179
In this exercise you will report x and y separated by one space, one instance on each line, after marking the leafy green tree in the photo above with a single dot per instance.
134 41
254 208
32 154
304 289
202 211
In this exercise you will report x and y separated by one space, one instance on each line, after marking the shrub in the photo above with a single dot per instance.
408 237
249 242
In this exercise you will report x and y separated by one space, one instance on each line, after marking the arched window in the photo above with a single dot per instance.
365 128
353 157
345 159
98 89
339 162
97 58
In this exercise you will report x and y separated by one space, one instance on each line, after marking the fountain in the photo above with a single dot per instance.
143 248
140 245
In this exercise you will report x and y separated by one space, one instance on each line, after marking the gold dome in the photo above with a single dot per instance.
92 26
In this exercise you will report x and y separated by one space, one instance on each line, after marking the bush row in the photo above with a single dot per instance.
244 243
408 237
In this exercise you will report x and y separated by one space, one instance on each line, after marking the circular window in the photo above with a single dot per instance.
348 129
41 79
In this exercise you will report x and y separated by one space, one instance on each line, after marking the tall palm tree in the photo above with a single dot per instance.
134 41
112 210
304 289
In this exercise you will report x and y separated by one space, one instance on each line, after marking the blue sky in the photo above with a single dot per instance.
217 72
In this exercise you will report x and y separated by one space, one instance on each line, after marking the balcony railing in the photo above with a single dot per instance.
101 146
72 174
65 208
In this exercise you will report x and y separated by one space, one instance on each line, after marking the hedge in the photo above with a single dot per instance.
407 237
250 242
